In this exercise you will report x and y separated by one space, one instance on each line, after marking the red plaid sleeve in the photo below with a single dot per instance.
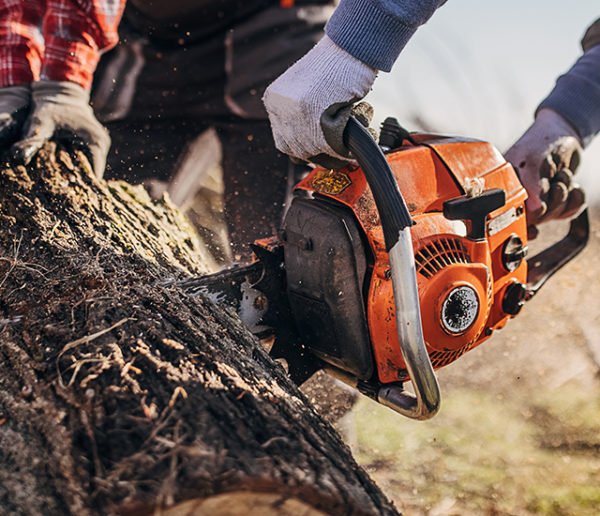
21 41
76 32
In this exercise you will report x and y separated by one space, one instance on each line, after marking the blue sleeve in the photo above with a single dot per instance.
376 31
576 96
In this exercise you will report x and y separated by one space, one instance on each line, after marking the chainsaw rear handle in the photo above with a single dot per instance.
396 222
544 264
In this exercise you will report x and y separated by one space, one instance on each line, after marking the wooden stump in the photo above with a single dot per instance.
121 395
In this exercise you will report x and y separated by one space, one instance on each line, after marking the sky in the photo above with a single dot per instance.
479 69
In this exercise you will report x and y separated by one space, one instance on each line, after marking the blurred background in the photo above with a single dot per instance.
519 428
479 69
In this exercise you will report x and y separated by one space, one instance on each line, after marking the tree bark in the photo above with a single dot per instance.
121 395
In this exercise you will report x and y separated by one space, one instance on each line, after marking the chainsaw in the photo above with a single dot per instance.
386 271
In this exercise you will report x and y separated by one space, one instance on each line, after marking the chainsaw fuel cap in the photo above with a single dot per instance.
460 309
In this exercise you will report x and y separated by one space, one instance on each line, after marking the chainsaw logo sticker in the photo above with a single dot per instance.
332 182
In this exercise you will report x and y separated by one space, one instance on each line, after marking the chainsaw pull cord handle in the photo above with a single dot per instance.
396 221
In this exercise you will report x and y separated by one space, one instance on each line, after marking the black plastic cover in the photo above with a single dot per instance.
325 264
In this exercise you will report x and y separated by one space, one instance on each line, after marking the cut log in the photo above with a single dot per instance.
119 394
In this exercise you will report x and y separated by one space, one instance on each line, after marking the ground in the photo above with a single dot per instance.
519 428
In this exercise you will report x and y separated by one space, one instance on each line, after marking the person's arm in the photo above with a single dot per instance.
75 33
310 103
576 95
548 153
21 44
21 50
376 31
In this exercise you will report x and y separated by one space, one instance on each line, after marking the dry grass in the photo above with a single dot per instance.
488 454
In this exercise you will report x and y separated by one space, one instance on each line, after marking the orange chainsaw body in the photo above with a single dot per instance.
430 171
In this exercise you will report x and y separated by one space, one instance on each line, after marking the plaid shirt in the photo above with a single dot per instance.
55 39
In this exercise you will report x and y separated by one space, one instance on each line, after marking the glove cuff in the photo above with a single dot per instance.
555 124
54 91
20 94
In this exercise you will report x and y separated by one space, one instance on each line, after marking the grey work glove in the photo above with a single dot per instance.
546 157
309 104
14 108
61 111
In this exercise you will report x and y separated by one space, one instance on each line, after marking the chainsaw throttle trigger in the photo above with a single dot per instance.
475 210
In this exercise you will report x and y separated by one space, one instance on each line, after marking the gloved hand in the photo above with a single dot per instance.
546 157
309 104
14 107
61 111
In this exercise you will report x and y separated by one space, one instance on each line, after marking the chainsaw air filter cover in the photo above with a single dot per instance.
469 240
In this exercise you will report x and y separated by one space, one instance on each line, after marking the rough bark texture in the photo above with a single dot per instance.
118 393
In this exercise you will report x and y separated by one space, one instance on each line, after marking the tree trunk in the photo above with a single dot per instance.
121 395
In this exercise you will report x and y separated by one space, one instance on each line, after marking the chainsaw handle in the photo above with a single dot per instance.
544 264
396 221
393 213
